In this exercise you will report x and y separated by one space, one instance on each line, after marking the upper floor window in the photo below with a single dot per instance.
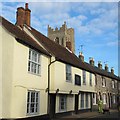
34 62
84 77
68 73
62 42
91 79
32 102
103 82
113 84
77 80
118 86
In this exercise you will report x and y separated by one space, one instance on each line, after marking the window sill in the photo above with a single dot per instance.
69 81
77 85
32 114
34 74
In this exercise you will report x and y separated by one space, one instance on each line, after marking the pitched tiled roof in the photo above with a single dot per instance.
60 53
103 72
21 36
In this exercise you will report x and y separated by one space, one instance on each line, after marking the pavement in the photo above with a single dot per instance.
114 115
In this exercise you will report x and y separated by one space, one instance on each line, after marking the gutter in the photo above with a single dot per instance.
48 106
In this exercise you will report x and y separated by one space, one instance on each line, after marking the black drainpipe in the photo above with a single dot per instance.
48 106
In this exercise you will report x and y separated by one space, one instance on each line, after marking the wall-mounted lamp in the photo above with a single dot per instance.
46 90
57 91
70 92
79 93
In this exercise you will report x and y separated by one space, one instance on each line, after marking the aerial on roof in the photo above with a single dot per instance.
51 48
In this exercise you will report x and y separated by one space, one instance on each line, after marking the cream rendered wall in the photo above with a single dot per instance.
0 72
24 81
58 80
7 72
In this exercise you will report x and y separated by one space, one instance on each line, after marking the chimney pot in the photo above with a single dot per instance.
106 67
91 61
100 64
26 6
81 56
112 70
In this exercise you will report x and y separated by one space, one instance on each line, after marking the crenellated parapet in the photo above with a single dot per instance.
63 28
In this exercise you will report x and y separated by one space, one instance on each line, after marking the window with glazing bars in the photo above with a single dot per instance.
32 102
34 62
68 73
84 77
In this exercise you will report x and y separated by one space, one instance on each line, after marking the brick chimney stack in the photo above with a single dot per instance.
20 15
23 16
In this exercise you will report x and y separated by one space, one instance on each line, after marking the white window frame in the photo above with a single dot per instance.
68 73
94 98
84 77
118 86
103 82
33 101
82 101
113 84
34 62
87 100
90 79
104 98
63 100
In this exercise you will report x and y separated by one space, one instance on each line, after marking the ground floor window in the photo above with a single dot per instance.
63 102
113 98
82 100
87 101
32 102
94 98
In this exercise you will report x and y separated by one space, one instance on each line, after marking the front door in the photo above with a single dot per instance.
76 103
52 105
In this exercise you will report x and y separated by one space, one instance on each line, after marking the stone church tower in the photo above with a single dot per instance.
63 36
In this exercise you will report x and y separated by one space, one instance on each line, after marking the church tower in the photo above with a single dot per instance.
63 36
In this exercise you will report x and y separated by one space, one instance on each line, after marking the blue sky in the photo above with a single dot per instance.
95 25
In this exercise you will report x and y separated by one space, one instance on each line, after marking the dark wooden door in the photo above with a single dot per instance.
52 105
76 103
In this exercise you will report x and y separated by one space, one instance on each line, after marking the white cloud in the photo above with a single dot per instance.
112 43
